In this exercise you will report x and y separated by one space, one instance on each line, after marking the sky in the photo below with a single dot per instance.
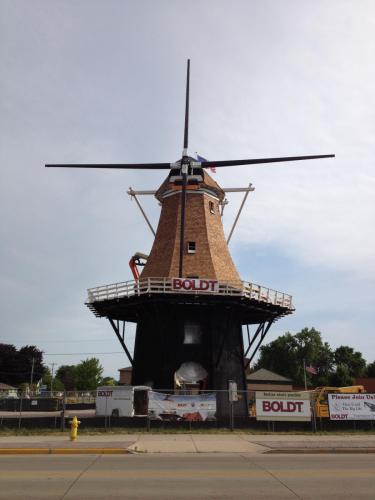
86 81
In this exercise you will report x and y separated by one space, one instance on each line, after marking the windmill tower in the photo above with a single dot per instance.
189 303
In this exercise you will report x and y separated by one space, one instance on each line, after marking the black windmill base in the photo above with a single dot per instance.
163 342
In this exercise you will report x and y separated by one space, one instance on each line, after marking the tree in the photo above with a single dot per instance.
288 353
352 360
108 381
313 351
370 369
89 373
341 377
67 374
16 365
55 384
280 356
8 365
31 358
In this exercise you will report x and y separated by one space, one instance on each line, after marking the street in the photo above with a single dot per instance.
188 476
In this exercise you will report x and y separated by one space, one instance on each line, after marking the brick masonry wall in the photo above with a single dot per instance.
161 259
211 259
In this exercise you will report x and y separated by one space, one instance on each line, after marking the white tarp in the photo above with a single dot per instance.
278 406
351 406
173 407
190 372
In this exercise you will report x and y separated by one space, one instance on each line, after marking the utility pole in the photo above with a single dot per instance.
304 373
32 373
53 367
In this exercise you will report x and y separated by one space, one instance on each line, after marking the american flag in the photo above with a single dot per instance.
312 370
200 158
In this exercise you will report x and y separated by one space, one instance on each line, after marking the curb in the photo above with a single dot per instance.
64 451
317 451
124 451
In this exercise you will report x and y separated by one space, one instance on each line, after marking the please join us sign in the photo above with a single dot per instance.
193 284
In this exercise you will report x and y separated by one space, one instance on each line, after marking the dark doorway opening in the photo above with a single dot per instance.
140 401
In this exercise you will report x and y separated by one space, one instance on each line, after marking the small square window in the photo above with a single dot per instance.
192 332
191 247
211 206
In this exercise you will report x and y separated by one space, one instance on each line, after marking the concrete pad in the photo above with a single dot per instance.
220 443
163 443
308 437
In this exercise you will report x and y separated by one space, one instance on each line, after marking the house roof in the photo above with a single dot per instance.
263 375
6 387
126 369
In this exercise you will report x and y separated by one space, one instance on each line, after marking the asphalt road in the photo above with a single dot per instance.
170 476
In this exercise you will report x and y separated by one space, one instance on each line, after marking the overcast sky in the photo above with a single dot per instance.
103 81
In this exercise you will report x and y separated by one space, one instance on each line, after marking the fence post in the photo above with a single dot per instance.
313 413
20 413
231 416
105 413
63 413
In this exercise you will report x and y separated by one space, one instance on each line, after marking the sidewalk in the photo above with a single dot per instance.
37 445
186 443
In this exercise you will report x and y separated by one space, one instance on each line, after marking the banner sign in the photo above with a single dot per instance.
232 391
351 406
174 407
192 285
279 406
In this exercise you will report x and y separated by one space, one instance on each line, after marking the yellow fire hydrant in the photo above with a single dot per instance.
74 428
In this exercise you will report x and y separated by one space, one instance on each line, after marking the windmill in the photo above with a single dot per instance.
189 302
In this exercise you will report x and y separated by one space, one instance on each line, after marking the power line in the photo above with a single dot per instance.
78 353
131 334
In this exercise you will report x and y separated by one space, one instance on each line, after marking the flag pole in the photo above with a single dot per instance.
304 373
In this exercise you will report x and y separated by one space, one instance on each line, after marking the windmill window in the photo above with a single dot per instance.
211 206
192 332
191 247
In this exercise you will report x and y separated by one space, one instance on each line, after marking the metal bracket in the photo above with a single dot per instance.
133 194
247 191
260 332
222 204
152 192
121 337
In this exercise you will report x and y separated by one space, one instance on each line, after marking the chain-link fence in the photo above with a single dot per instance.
141 408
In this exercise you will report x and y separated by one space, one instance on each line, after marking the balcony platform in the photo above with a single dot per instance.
251 303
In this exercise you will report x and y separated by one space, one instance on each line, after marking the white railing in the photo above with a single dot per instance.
147 286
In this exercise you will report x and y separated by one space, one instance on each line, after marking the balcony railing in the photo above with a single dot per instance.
149 286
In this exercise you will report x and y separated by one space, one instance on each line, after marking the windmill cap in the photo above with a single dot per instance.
207 183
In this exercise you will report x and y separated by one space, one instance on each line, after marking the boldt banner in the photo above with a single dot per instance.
192 284
351 406
279 406
173 407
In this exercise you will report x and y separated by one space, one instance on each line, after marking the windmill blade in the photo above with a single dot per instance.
186 128
184 171
140 166
232 163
